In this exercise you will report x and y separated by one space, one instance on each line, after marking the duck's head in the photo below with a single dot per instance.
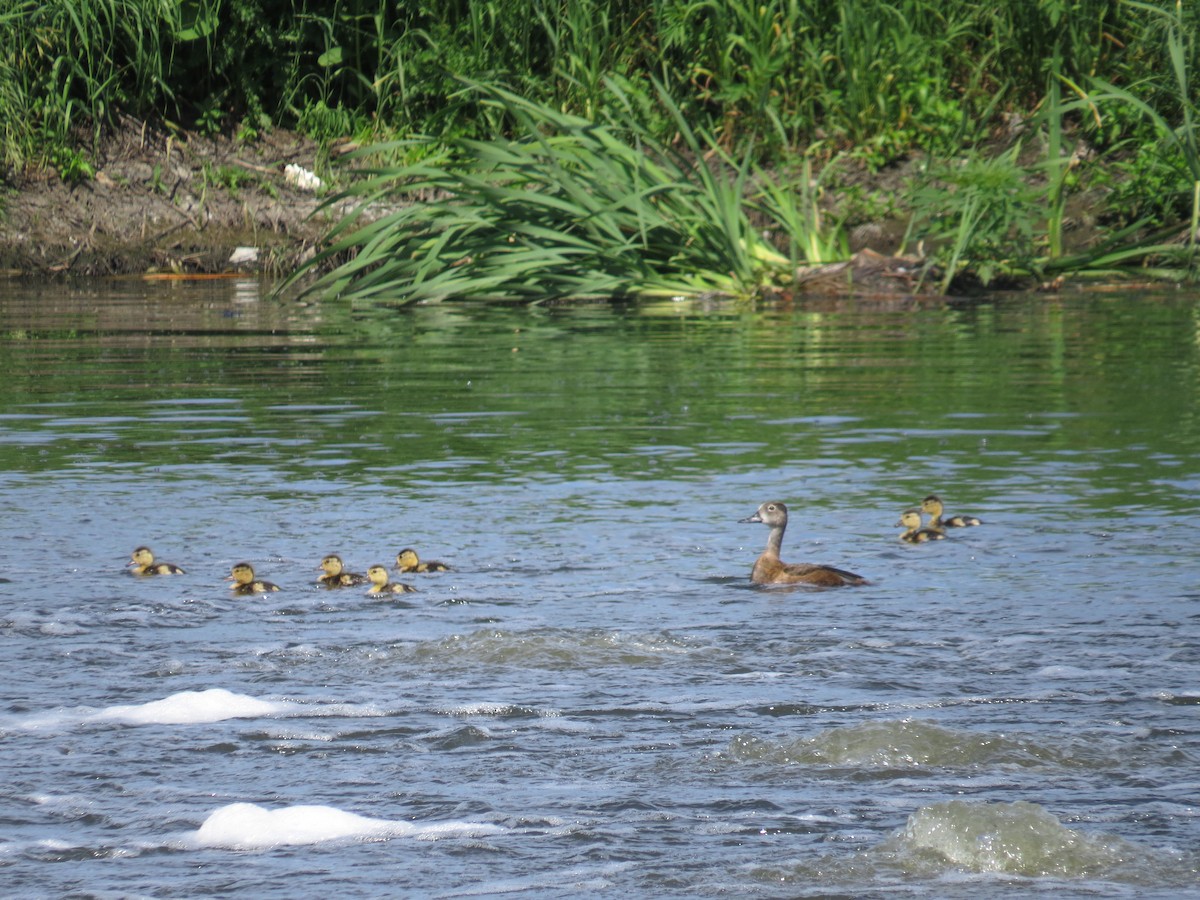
407 559
773 513
378 575
932 505
910 518
332 565
141 557
242 573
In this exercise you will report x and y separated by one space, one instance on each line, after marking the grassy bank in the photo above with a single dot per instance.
1024 117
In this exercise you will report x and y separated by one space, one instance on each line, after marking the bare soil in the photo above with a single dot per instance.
171 202
165 202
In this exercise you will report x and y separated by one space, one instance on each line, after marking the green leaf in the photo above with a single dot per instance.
331 57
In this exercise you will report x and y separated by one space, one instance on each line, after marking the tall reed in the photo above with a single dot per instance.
570 208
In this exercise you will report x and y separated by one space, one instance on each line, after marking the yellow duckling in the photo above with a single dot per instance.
335 574
914 533
933 505
381 585
244 582
408 561
141 562
768 569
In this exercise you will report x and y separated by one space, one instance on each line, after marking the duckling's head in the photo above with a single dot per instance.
773 513
332 565
932 505
910 518
242 573
141 557
407 559
378 575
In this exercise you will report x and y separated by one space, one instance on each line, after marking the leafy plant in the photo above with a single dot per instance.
980 213
1180 144
73 167
571 208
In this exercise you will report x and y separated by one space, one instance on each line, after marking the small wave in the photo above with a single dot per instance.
1018 838
896 744
560 649
247 826
994 843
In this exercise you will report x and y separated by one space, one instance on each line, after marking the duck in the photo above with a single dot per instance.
914 533
141 562
336 576
769 569
244 582
408 561
381 585
933 505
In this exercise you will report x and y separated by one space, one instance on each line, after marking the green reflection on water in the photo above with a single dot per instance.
206 374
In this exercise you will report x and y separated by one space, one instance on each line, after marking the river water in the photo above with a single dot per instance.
595 700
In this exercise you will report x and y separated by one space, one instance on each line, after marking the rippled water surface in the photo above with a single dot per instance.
595 699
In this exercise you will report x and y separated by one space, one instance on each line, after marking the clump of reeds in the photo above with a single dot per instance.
570 208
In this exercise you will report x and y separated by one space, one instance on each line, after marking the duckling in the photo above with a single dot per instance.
381 585
407 561
244 582
914 533
933 505
141 562
768 569
335 576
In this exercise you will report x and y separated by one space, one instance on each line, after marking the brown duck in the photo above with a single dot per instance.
408 561
141 562
381 585
769 569
244 582
914 533
336 574
937 518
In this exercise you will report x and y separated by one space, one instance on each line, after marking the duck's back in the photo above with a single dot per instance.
255 587
961 521
922 535
770 570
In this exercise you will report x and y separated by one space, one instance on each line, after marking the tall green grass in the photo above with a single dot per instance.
569 208
879 78
768 80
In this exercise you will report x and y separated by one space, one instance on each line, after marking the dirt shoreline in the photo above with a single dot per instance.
165 203
187 204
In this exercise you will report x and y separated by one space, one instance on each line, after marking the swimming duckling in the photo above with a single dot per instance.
141 562
407 561
914 533
381 585
768 569
336 576
244 582
933 505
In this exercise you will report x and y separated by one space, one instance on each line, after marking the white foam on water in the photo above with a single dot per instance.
184 708
248 826
193 708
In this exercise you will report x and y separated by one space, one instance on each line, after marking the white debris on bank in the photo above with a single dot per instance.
301 177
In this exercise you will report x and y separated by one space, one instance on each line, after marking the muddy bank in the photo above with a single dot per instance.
170 202
165 202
